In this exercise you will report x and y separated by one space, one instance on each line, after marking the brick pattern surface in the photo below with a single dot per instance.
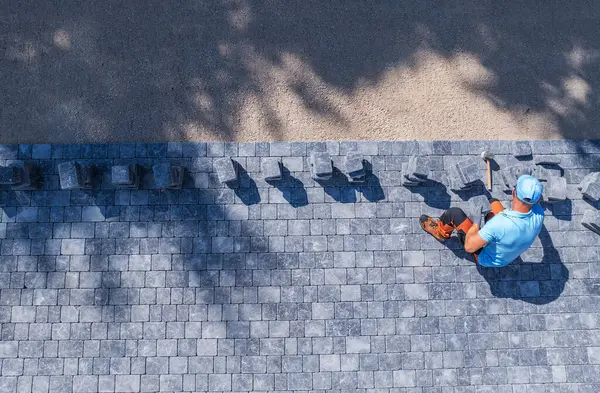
294 286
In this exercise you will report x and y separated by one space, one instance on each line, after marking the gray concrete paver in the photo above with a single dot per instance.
255 288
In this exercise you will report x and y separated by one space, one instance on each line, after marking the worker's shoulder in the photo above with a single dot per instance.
537 209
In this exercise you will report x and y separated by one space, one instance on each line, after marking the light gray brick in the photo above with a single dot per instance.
416 291
219 382
329 362
73 247
86 383
342 211
358 345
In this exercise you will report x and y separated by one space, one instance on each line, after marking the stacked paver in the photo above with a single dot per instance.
355 166
227 170
510 175
20 176
271 169
126 176
480 203
416 171
464 174
590 187
321 167
74 175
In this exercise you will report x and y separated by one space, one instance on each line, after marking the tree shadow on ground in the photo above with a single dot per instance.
155 68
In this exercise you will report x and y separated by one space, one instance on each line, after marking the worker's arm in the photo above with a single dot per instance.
473 241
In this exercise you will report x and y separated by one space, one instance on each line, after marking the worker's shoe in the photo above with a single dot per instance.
431 226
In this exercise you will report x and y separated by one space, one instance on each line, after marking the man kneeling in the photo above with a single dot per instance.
507 232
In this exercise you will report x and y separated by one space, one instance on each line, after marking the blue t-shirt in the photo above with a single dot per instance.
509 234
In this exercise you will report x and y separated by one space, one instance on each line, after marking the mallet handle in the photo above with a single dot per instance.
489 175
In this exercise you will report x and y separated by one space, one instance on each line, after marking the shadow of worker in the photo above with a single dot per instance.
532 282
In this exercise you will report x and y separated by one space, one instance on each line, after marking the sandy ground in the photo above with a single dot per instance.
261 71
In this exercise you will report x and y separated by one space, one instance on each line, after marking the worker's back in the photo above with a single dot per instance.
509 234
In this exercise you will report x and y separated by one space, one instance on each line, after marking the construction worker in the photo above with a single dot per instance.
507 232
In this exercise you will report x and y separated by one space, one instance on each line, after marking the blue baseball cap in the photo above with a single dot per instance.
529 189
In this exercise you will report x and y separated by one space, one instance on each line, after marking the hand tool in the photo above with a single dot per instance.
487 157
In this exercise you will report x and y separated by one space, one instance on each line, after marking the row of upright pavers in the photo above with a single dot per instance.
415 172
74 175
321 167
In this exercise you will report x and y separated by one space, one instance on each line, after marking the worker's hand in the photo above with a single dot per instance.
477 218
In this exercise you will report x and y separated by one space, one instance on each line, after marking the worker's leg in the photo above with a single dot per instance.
452 219
455 219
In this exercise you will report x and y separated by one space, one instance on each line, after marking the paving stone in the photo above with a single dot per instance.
28 176
511 174
409 180
480 203
73 175
592 192
10 176
521 149
555 189
588 179
355 167
271 169
468 170
167 176
590 186
542 173
591 220
226 170
547 159
455 181
321 166
419 166
126 176
41 151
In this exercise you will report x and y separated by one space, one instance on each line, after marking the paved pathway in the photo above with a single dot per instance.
299 288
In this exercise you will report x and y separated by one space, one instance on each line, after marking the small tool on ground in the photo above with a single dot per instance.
487 157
